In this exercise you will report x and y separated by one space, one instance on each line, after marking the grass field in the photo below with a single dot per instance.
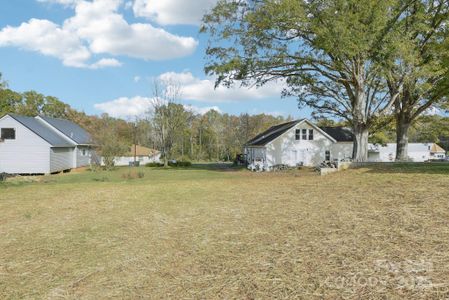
378 232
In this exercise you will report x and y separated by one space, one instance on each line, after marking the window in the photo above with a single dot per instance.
8 134
310 134
297 134
304 134
327 155
83 152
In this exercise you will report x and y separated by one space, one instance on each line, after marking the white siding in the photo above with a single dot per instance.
125 160
342 150
287 150
27 154
61 159
416 152
82 160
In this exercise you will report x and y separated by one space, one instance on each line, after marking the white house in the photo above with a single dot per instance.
298 142
42 145
301 142
143 156
417 152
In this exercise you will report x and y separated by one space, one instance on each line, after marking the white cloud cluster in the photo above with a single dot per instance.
126 107
62 2
96 28
138 106
204 89
193 89
173 12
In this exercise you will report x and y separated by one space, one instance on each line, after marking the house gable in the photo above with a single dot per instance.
298 126
50 135
27 153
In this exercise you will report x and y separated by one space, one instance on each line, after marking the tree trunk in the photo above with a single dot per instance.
360 149
402 127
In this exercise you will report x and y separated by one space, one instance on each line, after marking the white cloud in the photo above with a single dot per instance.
108 32
201 110
47 38
173 12
126 107
138 106
62 2
204 89
96 28
137 79
106 62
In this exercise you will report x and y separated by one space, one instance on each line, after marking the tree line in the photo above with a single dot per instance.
213 136
180 133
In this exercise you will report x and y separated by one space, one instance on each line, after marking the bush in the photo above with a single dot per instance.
133 175
154 165
3 176
178 163
171 163
184 164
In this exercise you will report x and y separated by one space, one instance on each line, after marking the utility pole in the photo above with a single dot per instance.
135 142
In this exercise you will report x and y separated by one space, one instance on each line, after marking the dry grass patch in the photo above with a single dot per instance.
205 234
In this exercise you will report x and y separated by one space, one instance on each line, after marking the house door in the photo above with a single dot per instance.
294 158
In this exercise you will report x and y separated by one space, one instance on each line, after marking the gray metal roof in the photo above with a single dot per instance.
39 128
70 129
271 133
339 133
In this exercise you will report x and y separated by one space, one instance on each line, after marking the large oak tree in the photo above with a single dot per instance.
419 70
326 52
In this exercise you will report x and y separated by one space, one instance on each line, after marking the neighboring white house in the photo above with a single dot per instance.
42 145
417 152
143 156
301 142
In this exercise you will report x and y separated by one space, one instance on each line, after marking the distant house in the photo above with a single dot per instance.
301 142
143 156
42 145
417 152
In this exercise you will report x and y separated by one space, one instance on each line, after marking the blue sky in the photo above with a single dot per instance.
103 55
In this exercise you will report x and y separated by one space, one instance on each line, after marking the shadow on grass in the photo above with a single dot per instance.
409 168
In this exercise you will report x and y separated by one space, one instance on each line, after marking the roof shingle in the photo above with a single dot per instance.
70 129
43 131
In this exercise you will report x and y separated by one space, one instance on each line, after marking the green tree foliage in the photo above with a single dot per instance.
108 142
10 101
418 72
3 83
328 52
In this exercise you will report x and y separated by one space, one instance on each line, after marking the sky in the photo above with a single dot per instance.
103 56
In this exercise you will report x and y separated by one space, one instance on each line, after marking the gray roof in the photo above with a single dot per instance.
271 133
339 133
42 130
70 129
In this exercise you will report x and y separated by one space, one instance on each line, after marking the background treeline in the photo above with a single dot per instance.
212 136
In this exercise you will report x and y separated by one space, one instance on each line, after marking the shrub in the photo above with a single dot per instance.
133 175
184 164
154 165
3 176
179 163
